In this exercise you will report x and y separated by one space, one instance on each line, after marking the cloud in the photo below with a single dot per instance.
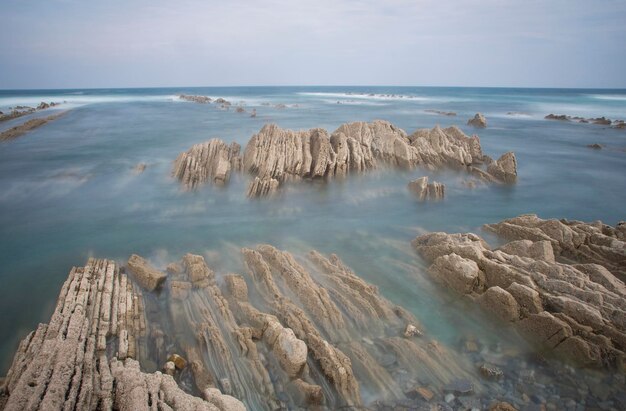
425 42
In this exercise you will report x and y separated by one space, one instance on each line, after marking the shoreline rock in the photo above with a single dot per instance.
602 121
577 307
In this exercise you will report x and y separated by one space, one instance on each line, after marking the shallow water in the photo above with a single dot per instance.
68 189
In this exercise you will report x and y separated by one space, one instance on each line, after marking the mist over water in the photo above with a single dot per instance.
68 189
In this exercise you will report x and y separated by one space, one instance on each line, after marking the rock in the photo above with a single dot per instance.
140 168
424 190
275 156
169 368
43 106
280 106
479 121
195 99
253 113
575 309
145 275
449 398
240 110
561 117
458 273
502 406
411 331
211 161
420 392
501 303
595 146
306 394
291 351
443 113
29 125
178 361
490 371
601 121
505 168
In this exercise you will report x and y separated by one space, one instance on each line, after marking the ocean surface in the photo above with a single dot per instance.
68 190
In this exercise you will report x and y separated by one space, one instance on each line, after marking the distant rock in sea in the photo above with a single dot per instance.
443 113
478 121
29 125
602 121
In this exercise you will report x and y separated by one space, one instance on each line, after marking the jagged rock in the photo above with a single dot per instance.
169 368
576 309
275 156
561 117
211 161
147 276
586 243
505 168
490 371
43 106
306 394
425 190
500 302
479 121
291 351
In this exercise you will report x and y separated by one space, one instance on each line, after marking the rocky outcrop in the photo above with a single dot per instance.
213 161
275 156
478 121
17 131
20 111
441 113
576 307
195 99
86 356
144 274
425 190
586 243
602 121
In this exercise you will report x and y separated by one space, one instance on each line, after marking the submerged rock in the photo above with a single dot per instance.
195 99
427 191
17 131
478 121
577 308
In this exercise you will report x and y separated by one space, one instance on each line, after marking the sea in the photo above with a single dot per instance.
69 189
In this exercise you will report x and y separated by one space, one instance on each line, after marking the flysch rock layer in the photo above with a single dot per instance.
212 162
298 333
275 156
556 281
86 357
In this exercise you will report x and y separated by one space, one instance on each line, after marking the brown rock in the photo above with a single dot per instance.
147 276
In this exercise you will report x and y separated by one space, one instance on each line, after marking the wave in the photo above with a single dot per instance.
610 97
76 100
367 96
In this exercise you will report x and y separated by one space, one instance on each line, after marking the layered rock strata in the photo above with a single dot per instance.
275 156
556 281
17 131
86 356
213 161
425 190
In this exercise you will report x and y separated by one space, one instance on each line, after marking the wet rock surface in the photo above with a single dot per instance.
275 156
29 125
602 121
86 356
427 191
558 282
478 121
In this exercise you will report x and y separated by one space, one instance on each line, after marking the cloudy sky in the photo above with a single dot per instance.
137 43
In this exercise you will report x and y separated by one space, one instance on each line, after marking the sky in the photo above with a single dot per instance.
152 43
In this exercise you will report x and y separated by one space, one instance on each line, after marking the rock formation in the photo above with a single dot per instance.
144 274
602 121
17 131
575 306
427 191
478 121
442 113
275 156
212 161
86 356
195 99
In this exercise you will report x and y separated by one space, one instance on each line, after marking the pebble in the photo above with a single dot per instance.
449 398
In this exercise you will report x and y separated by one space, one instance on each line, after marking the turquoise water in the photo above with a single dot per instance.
68 190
